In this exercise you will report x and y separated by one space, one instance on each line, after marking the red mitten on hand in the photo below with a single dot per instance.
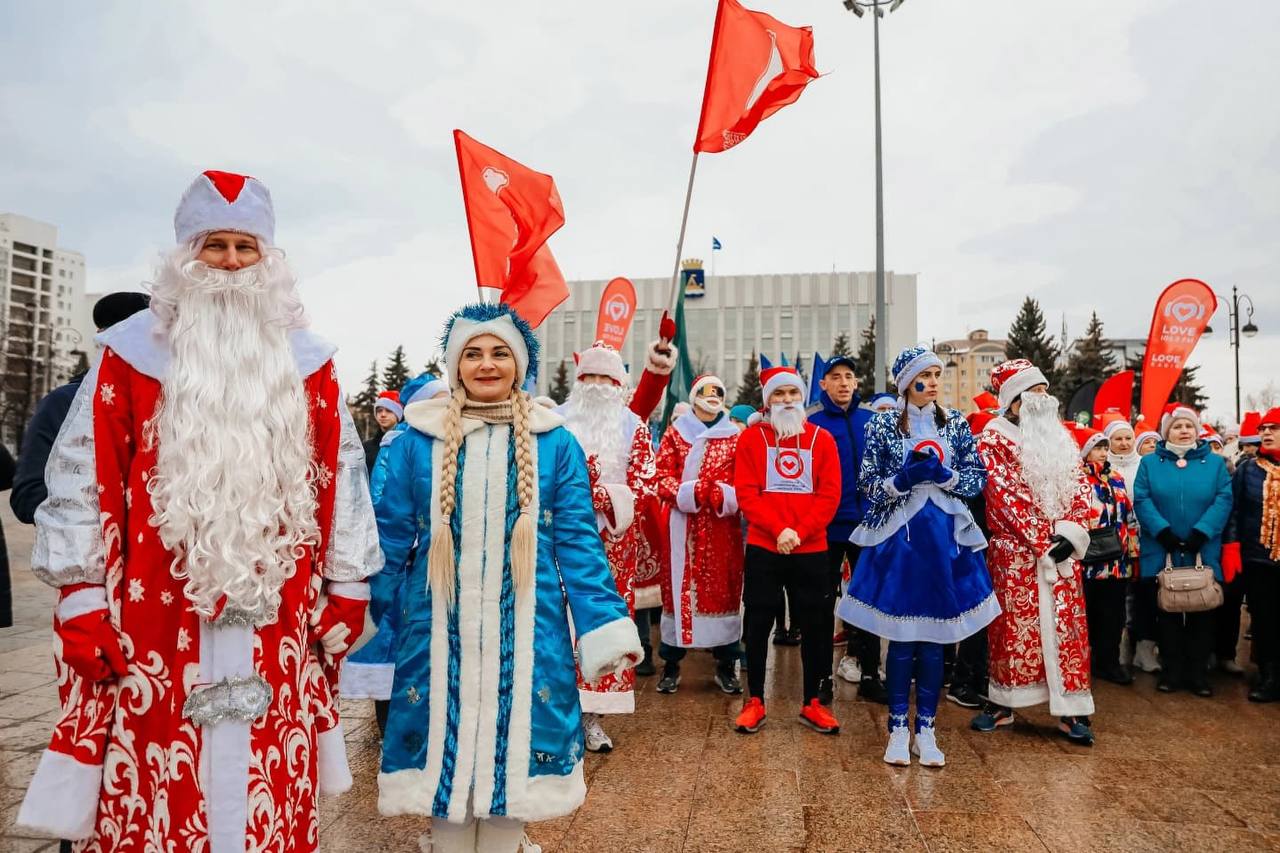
338 624
91 646
701 492
717 498
1231 564
600 501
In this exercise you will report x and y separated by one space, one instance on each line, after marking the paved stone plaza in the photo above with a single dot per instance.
1168 772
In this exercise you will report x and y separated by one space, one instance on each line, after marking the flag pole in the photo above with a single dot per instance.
684 221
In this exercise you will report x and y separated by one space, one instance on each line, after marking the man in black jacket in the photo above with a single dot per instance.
28 481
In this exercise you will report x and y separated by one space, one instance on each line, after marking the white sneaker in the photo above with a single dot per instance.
527 846
849 670
898 752
424 842
1145 657
597 740
926 746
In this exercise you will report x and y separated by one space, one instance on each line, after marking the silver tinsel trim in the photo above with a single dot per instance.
232 616
240 699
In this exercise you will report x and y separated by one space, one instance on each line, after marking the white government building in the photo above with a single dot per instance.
792 313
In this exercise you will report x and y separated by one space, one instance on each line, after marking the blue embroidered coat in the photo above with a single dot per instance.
484 708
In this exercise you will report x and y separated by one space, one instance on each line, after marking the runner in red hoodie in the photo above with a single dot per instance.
787 479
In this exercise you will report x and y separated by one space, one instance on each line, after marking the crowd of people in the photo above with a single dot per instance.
231 557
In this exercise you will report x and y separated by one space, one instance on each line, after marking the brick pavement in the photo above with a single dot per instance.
1168 772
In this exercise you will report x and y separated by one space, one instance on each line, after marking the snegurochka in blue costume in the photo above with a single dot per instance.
921 581
485 731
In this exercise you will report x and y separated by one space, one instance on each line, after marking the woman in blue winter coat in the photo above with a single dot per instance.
1182 497
485 730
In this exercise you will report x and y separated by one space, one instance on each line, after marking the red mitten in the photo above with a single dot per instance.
601 502
1231 564
339 623
91 646
701 492
717 498
667 328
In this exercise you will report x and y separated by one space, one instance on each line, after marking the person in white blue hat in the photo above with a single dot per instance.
921 581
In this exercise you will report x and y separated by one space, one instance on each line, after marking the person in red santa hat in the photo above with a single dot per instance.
620 463
702 587
387 412
787 480
1037 511
209 531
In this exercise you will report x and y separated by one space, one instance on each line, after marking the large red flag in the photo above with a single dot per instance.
1115 396
1182 312
511 211
758 65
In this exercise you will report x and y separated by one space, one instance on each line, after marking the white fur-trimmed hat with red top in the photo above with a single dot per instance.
781 376
1013 378
1087 438
225 201
389 400
702 382
1177 411
602 360
1118 425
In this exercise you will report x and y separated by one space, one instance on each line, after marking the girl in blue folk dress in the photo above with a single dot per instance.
921 581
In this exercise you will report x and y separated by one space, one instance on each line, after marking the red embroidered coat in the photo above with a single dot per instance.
1039 644
702 581
616 506
126 768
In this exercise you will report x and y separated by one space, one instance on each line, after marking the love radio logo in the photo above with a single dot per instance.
1184 318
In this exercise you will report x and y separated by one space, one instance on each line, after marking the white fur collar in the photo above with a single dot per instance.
136 341
427 416
1006 428
691 427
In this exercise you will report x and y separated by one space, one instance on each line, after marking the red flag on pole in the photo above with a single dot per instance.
511 211
1115 396
1182 312
758 65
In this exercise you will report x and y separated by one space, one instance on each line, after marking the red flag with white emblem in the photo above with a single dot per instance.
758 65
511 211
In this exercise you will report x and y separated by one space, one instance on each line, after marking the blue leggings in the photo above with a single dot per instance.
924 661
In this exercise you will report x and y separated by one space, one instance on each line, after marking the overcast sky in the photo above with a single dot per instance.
1087 153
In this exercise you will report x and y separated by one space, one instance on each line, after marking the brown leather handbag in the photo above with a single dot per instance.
1187 589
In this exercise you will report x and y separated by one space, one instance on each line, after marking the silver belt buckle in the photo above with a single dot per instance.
241 699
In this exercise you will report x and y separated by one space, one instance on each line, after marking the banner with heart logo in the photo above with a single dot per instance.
617 310
1182 313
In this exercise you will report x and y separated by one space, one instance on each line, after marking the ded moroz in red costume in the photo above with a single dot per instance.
210 531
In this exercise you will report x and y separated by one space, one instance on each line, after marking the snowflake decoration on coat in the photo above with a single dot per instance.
184 640
108 393
323 476
136 590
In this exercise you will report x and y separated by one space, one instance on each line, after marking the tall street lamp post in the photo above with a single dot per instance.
860 8
1249 330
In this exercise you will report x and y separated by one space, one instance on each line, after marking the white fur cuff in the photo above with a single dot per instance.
1075 534
62 800
730 505
1047 568
80 602
612 647
355 590
684 497
331 760
659 363
624 508
889 487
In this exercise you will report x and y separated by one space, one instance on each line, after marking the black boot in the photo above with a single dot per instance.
645 668
1268 687
872 689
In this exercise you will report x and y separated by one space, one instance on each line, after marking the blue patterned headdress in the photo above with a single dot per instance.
487 318
910 363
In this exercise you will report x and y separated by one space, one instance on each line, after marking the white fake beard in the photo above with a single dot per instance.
593 413
787 419
712 405
232 489
1050 457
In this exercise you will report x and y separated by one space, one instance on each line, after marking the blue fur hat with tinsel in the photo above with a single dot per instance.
910 363
489 318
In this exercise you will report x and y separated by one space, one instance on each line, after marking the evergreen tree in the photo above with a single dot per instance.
1028 339
1187 390
866 360
840 346
361 405
396 372
749 389
559 390
1089 360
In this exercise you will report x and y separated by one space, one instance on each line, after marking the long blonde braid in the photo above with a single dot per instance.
524 536
440 564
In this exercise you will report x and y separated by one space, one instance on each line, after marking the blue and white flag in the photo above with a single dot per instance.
715 244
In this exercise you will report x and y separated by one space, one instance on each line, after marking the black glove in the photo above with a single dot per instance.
1060 549
1168 541
1196 541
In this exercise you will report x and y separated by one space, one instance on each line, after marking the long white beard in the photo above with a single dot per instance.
232 489
787 420
1050 457
594 413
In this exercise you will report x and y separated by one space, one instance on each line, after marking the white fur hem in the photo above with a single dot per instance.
1018 697
62 800
1075 534
611 647
607 702
648 596
709 632
406 792
366 680
624 508
82 601
684 497
730 505
333 772
553 796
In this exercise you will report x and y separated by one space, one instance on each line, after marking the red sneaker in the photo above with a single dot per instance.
752 716
818 718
